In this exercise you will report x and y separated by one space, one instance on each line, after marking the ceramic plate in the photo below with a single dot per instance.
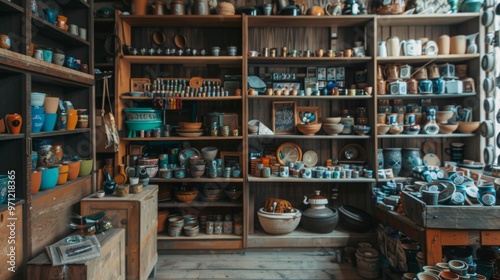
288 152
431 160
185 154
310 158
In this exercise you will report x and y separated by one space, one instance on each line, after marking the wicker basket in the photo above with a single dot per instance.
186 196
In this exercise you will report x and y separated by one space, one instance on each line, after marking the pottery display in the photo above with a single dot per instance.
411 158
393 159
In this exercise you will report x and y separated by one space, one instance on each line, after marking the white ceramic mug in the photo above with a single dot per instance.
306 172
83 33
73 29
39 54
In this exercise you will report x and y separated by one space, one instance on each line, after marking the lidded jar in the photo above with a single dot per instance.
318 204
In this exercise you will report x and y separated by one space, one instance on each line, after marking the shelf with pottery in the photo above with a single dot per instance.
431 95
207 99
449 135
184 60
299 97
312 180
10 7
181 138
53 32
309 21
196 180
311 137
79 181
305 61
182 21
60 132
200 203
429 58
427 19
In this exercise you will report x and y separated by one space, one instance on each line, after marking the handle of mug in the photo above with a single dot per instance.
327 6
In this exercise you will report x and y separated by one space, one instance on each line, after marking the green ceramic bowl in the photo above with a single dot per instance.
85 167
143 125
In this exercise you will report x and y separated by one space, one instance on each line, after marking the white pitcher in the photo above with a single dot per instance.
381 49
393 46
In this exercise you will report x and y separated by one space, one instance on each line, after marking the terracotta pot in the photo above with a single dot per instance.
138 7
36 180
74 169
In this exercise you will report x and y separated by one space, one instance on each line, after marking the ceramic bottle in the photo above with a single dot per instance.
109 185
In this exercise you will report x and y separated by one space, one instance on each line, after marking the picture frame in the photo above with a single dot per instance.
284 116
311 72
137 84
331 74
230 159
307 109
311 83
286 85
321 74
340 73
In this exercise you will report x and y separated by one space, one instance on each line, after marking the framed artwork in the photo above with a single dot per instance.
137 84
322 74
309 114
340 74
331 74
284 117
230 159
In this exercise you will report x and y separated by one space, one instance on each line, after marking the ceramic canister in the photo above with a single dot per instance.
411 158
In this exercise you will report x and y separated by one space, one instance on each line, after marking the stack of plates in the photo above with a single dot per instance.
189 132
354 219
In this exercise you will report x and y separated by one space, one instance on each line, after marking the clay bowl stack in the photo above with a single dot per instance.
150 164
190 129
332 125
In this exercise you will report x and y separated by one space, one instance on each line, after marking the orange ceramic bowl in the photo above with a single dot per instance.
63 178
36 180
74 169
72 121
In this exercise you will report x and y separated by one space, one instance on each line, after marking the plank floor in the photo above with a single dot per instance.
254 265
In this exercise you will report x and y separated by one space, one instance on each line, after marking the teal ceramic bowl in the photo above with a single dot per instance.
142 114
143 125
471 6
49 178
85 167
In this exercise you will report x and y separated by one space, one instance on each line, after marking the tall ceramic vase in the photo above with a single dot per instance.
411 158
392 159
138 7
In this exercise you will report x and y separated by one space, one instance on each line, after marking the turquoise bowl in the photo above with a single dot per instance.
143 125
49 178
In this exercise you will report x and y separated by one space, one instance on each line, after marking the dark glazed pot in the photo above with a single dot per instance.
249 11
290 10
320 224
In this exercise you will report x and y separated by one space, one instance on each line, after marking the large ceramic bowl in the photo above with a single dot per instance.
37 99
309 129
49 178
468 127
279 223
332 129
143 124
209 152
132 114
447 128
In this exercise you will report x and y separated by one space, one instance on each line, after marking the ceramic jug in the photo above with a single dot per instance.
409 47
382 49
158 8
14 123
433 71
391 71
393 46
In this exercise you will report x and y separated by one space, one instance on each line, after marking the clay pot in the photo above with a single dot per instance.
14 123
4 41
138 7
315 11
36 180
74 169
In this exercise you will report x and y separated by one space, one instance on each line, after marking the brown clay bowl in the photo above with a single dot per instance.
332 129
444 116
382 129
468 127
186 196
330 120
195 173
309 129
447 128
190 125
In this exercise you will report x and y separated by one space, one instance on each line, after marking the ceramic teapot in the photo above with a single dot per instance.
291 10
318 205
410 47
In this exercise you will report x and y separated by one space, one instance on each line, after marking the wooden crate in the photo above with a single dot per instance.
138 215
450 216
12 236
110 265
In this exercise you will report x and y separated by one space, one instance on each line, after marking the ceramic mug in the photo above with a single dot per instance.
488 62
444 44
73 29
458 44
82 32
47 56
284 171
306 172
69 62
38 54
425 86
456 151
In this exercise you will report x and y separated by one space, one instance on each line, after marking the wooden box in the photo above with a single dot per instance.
137 214
12 242
110 265
450 216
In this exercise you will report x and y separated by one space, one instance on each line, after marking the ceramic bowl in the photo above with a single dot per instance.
209 152
49 178
132 114
190 125
468 127
396 129
147 161
36 180
382 129
444 116
253 129
412 129
309 129
85 167
186 196
332 129
273 223
447 128
233 193
152 170
51 105
58 58
37 99
196 160
362 129
74 169
191 231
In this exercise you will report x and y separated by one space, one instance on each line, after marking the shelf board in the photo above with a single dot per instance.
5 205
255 179
307 61
420 96
184 60
308 21
302 238
234 21
18 62
220 203
180 138
402 136
341 97
57 187
428 58
50 30
6 136
196 180
200 236
9 7
326 137
426 19
215 98
100 19
59 132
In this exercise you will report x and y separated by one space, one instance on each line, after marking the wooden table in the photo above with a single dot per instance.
432 240
110 265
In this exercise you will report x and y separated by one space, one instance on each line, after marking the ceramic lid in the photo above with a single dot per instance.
317 199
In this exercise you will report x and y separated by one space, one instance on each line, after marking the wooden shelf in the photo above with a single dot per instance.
308 21
308 61
325 137
5 136
451 135
199 203
200 242
53 32
428 58
12 60
183 21
312 180
60 132
287 97
420 96
207 99
196 180
9 7
184 60
427 19
179 138
68 184
200 236
302 238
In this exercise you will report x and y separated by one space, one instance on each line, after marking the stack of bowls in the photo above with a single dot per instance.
213 192
175 225
150 165
50 108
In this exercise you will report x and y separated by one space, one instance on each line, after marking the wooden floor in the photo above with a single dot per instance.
255 265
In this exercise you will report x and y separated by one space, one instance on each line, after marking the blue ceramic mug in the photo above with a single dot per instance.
438 85
425 86
69 62
50 15
47 56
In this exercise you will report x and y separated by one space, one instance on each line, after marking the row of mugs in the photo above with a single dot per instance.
432 71
60 59
318 172
412 86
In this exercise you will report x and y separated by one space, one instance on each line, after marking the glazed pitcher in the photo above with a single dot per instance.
393 46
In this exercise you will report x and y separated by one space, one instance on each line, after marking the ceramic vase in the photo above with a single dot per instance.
393 160
380 158
14 123
46 156
411 158
109 185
